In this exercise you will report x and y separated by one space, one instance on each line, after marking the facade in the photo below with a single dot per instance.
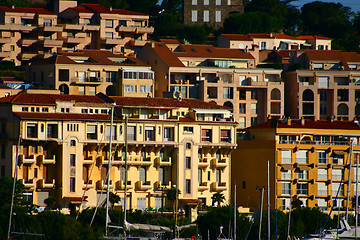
88 72
28 33
326 87
64 149
210 12
273 41
227 77
308 160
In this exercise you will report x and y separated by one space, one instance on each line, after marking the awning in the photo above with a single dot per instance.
287 167
302 168
213 111
146 227
76 200
191 201
290 43
339 152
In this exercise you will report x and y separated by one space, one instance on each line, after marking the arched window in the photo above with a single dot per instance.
308 95
342 109
64 89
275 94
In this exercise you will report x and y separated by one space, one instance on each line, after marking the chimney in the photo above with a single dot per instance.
302 121
289 121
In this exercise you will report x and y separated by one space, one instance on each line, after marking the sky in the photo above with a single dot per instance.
353 4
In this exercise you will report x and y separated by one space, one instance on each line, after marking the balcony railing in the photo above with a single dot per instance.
317 142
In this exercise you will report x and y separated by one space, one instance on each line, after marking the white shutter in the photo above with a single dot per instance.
286 156
323 82
194 16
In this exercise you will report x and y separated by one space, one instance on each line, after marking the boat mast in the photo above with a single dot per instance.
108 173
349 182
356 193
268 198
125 184
261 210
235 212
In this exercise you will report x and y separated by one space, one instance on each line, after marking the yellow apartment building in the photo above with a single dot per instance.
88 72
64 149
308 160
227 77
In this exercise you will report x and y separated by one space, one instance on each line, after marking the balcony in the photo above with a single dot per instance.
75 27
91 28
203 186
160 187
88 185
162 162
27 42
215 163
28 183
87 80
102 184
141 30
88 160
26 159
74 40
51 42
121 186
42 159
27 56
113 41
137 43
17 27
140 186
50 28
215 186
4 40
203 163
43 183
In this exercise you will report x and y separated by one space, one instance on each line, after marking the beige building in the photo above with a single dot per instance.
88 72
29 33
210 12
64 149
327 87
227 77
308 160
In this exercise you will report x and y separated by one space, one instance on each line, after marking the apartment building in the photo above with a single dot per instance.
227 77
326 87
87 72
65 145
28 33
273 41
210 12
308 159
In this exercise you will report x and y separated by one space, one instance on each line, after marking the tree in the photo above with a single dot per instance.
50 202
296 203
218 197
172 195
6 188
114 198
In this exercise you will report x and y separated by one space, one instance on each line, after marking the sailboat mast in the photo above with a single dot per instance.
349 182
268 197
235 212
261 210
108 173
356 194
125 184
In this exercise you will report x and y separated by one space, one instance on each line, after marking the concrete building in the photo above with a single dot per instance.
64 149
28 33
88 72
326 87
225 76
308 160
210 12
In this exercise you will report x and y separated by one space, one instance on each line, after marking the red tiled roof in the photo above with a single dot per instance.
259 35
324 54
155 102
98 57
166 55
49 99
351 57
312 37
64 116
101 9
26 10
81 10
309 124
237 37
169 41
209 51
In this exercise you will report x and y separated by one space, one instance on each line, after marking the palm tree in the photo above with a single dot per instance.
171 195
114 198
218 197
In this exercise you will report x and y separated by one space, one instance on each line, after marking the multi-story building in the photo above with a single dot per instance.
308 160
273 41
28 33
65 145
327 86
210 12
225 76
88 72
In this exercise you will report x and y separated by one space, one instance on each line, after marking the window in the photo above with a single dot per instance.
322 157
322 174
323 96
64 75
225 135
188 162
194 16
107 133
130 88
242 121
25 109
149 133
131 133
337 187
72 184
162 175
337 174
286 174
91 132
109 35
12 48
242 95
253 95
242 108
263 45
253 120
45 109
206 135
109 23
47 22
72 160
338 158
285 188
323 109
302 174
188 145
31 130
324 82
286 156
194 2
218 2
302 188
206 16
188 186
218 176
322 189
143 175
200 176
141 203
228 93
229 2
206 2
168 134
110 76
52 130
72 143
253 108
301 156
12 20
188 129
146 89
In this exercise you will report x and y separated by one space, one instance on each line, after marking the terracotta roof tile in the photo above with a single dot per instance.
169 41
64 116
306 37
81 10
166 55
237 37
26 10
101 9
